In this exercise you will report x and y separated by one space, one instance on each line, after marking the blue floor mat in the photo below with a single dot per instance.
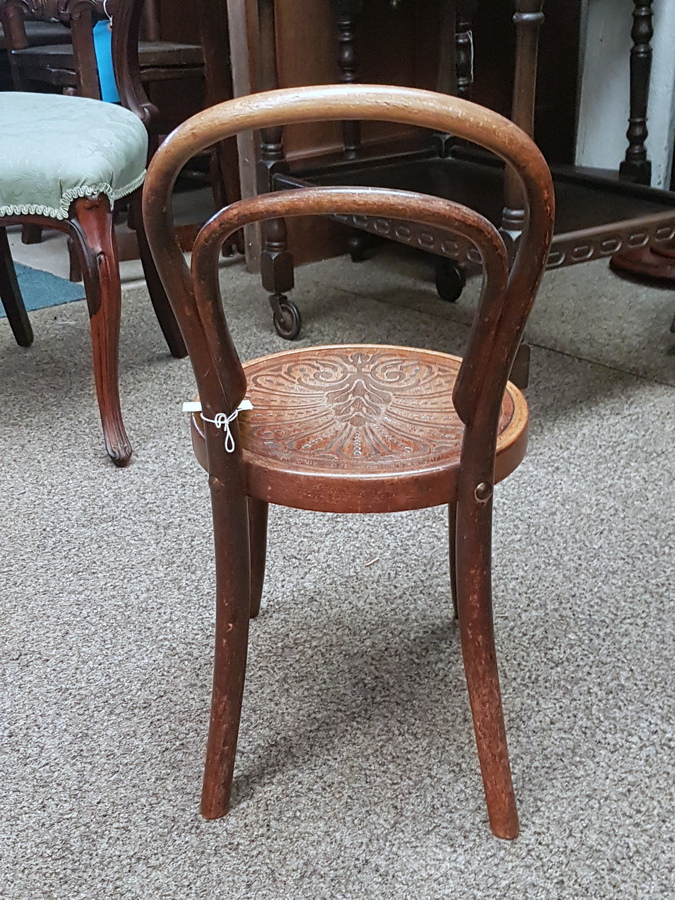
40 289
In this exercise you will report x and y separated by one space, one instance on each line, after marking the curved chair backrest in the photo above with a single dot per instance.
134 17
503 307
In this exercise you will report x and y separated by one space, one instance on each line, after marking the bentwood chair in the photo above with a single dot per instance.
66 160
359 428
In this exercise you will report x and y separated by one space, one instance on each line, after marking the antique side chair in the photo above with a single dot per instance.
72 68
359 428
66 160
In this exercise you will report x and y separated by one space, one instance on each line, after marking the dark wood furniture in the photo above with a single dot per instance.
360 428
636 167
89 225
73 69
90 228
39 33
597 213
133 85
654 262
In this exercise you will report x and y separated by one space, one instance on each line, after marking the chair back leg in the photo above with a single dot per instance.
452 549
257 529
10 294
474 600
158 298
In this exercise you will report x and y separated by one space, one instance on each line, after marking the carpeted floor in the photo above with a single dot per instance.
40 289
356 774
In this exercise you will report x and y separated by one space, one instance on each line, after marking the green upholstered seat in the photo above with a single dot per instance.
56 148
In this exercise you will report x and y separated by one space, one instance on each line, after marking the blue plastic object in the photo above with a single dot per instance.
103 50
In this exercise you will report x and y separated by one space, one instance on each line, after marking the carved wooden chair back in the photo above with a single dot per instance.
38 33
48 62
128 18
78 70
235 464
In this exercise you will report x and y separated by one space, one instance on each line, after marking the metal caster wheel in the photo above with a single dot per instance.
450 280
287 320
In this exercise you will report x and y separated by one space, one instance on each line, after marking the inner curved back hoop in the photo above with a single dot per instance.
497 330
402 205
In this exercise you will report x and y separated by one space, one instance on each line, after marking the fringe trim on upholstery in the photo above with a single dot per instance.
92 190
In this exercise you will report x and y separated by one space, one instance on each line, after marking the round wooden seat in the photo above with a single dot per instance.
359 428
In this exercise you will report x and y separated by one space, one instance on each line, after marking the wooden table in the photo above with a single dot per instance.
598 213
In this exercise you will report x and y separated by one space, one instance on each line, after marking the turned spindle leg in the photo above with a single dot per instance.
464 47
636 167
347 12
528 19
276 263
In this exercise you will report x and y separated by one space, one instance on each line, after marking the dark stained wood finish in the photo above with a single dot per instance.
94 238
257 527
654 263
464 56
598 215
10 295
347 13
160 62
452 554
357 440
90 231
74 66
158 296
90 228
528 19
636 167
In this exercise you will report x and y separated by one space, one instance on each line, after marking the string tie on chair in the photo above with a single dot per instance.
223 420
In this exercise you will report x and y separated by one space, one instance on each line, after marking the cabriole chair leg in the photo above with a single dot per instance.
92 230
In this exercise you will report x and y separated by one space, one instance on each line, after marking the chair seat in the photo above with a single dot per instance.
55 149
359 428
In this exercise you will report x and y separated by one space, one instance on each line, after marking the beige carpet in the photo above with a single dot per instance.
357 774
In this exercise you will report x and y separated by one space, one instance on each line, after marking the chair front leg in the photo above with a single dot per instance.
91 224
233 603
10 294
474 595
